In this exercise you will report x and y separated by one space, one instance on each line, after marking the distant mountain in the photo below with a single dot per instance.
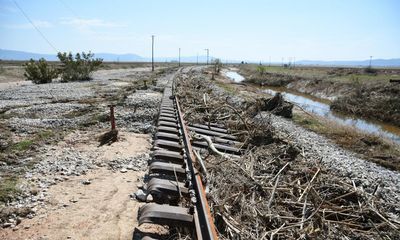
110 57
395 62
22 56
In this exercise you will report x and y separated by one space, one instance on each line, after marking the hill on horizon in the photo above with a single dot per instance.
129 57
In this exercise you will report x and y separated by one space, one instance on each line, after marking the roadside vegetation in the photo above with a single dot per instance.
78 68
365 92
373 148
40 72
72 68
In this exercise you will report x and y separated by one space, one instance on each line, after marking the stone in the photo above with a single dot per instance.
140 195
123 170
86 182
130 167
6 225
149 198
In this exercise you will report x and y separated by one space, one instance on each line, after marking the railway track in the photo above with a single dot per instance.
176 186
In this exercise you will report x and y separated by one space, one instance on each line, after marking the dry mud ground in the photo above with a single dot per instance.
68 187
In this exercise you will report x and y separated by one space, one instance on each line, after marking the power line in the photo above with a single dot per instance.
37 29
68 8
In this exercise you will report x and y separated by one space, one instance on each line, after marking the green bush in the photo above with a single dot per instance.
40 72
217 65
261 70
78 68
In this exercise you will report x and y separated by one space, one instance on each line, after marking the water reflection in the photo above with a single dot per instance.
322 108
234 76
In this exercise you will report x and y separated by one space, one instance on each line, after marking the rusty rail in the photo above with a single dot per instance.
205 229
177 194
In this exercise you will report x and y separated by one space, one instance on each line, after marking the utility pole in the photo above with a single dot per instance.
179 57
152 53
370 61
270 61
294 62
197 59
208 53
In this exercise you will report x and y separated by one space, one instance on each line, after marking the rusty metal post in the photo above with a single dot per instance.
112 118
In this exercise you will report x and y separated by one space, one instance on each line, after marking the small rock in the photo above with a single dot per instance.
149 198
123 170
65 205
15 228
140 195
130 167
27 226
73 200
6 225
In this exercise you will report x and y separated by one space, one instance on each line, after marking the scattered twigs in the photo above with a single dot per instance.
201 162
272 195
276 231
269 192
210 143
383 218
279 172
308 185
303 213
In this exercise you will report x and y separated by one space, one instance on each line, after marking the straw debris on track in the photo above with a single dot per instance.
279 188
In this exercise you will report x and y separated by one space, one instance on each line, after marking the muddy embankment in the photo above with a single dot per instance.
377 100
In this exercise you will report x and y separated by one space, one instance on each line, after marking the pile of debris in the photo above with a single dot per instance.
273 189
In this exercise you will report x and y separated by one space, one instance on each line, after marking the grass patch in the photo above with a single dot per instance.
8 188
227 87
371 147
335 74
22 145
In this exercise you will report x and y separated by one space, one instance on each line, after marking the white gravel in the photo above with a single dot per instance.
338 160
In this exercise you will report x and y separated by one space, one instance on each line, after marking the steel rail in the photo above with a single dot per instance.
205 228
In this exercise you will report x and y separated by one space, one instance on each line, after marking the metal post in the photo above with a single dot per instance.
208 53
370 61
112 118
152 53
179 57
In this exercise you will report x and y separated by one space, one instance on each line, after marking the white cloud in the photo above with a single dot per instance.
38 23
82 23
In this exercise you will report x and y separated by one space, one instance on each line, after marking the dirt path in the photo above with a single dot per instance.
99 210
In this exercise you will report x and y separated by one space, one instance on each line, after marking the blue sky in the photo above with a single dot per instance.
250 30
